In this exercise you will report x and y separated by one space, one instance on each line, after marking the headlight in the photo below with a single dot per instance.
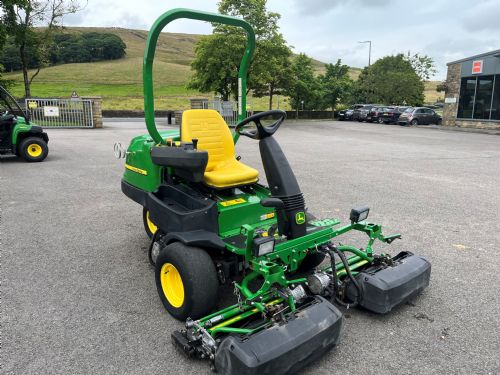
263 246
359 214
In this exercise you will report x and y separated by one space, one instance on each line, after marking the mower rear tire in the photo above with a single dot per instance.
33 149
186 280
149 226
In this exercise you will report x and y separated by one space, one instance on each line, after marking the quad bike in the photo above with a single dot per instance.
17 135
213 223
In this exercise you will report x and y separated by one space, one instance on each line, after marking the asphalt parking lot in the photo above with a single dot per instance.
78 294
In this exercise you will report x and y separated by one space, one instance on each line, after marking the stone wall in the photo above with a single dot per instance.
96 109
453 91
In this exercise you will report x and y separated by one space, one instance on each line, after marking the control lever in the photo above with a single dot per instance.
277 204
273 202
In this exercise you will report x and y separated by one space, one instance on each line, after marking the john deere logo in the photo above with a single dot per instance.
300 218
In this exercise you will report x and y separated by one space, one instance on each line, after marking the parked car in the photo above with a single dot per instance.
419 116
391 115
346 114
376 113
361 113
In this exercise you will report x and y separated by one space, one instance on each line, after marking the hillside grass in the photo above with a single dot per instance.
119 82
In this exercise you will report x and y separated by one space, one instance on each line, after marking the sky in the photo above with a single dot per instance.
327 30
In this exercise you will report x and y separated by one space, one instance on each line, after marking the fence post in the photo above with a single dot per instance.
96 109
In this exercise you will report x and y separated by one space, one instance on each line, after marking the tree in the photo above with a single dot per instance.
303 88
20 17
390 80
274 69
423 65
218 56
442 87
335 84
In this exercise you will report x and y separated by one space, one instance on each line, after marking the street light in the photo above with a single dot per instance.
369 50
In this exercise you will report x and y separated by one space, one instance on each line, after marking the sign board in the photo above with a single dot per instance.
51 111
74 95
32 105
450 100
477 66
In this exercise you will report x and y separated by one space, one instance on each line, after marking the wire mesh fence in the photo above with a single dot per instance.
228 110
61 113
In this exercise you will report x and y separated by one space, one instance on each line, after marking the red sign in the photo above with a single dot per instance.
477 67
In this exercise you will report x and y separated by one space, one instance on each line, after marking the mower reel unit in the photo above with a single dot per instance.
17 135
212 223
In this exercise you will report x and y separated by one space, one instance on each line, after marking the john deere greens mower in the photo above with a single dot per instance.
213 223
17 135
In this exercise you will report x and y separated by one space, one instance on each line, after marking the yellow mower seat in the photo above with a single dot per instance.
214 136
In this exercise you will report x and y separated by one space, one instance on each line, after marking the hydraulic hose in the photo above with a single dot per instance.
331 253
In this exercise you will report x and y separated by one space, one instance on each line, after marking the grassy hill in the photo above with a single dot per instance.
119 82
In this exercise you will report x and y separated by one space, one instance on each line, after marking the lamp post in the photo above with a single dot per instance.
369 50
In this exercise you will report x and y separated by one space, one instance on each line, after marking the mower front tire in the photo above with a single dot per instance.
33 149
186 280
149 226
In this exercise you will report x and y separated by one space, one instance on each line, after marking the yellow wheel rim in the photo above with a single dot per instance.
151 226
171 284
34 150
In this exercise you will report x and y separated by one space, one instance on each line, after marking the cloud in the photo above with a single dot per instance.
482 16
313 7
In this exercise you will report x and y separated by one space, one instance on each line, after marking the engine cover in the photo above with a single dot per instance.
386 288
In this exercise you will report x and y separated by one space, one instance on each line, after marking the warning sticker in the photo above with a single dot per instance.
233 202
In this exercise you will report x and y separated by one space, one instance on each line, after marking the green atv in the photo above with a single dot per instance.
17 135
212 223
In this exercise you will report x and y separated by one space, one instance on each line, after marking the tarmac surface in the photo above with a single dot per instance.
78 294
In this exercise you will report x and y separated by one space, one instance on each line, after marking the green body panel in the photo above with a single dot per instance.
149 53
237 210
139 158
20 127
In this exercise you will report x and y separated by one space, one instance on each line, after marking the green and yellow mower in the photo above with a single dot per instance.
212 223
17 135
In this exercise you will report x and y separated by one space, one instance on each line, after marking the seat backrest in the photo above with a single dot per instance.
212 133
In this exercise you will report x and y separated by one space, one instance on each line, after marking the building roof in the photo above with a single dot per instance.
495 53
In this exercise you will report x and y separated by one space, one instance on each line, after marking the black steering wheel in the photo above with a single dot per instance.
261 131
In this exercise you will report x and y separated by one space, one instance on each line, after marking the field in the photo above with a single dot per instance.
119 82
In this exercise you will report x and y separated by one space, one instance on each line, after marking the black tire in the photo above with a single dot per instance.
147 228
310 262
198 277
381 121
33 149
439 122
414 122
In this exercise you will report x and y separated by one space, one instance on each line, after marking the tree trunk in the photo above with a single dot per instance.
27 89
271 94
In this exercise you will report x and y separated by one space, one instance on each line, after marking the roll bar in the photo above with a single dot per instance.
149 54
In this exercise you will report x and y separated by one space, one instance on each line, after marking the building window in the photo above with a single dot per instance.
495 108
467 94
484 91
479 98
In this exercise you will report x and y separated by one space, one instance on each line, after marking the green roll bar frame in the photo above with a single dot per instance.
149 54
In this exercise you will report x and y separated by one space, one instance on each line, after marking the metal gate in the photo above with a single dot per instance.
228 110
61 113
